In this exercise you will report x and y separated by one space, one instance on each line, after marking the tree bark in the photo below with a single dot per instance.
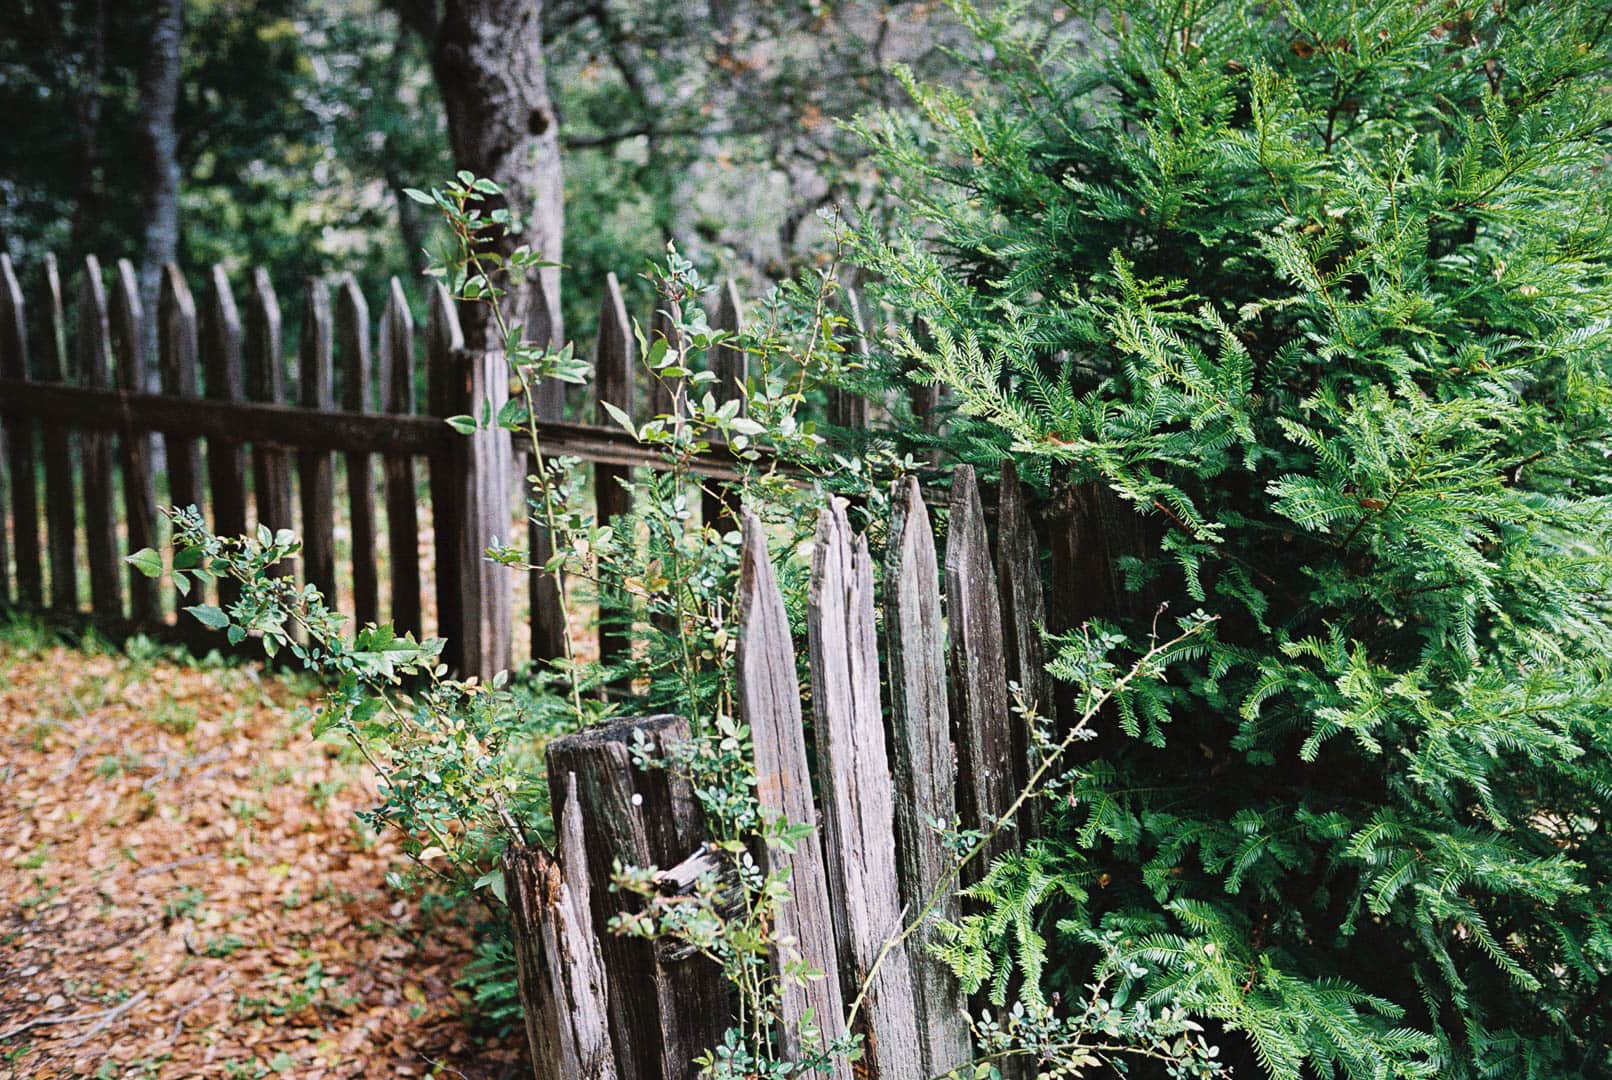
159 164
489 67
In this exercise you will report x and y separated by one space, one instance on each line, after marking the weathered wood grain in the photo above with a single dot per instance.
177 350
396 351
858 817
563 988
543 588
265 382
613 369
982 720
352 353
474 479
663 1012
925 770
225 381
316 469
57 444
21 442
94 361
1024 614
769 703
443 341
139 485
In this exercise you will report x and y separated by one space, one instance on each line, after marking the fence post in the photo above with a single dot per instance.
139 488
663 1012
731 364
352 348
402 518
226 458
56 441
613 364
265 381
470 495
316 469
548 403
769 703
981 715
858 816
562 980
100 469
20 444
925 769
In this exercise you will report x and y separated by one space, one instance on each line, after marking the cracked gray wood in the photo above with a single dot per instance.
858 816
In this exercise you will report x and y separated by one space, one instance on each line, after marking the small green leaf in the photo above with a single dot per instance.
419 196
209 616
464 425
146 561
621 418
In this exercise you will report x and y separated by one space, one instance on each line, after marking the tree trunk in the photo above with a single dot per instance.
489 68
159 163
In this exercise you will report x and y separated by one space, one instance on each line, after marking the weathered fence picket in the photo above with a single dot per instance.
265 382
613 368
981 714
925 766
61 501
139 483
224 381
352 354
316 466
396 351
100 462
21 432
177 348
730 364
769 702
858 813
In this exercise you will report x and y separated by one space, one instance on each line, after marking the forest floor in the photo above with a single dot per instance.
185 891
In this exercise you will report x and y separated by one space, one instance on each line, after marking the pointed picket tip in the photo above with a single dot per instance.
94 356
14 334
443 332
175 292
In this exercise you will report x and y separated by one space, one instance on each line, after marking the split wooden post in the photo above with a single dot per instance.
396 351
265 382
139 486
94 351
731 364
981 716
925 768
613 364
663 1012
470 496
352 350
56 442
20 443
544 595
316 469
858 817
769 703
226 458
561 974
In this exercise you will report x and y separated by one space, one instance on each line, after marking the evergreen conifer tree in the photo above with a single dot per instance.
1319 291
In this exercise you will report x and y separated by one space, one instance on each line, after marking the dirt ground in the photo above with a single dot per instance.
185 892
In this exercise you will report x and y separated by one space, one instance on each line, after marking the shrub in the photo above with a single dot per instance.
1319 291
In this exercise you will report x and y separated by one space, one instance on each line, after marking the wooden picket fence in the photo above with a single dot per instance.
80 425
607 1007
